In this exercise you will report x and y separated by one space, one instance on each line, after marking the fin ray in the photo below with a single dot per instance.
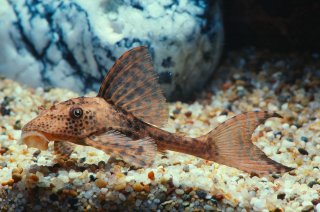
139 153
230 144
63 149
131 84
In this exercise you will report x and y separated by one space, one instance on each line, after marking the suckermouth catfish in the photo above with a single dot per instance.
122 121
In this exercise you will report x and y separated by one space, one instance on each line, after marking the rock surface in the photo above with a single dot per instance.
72 44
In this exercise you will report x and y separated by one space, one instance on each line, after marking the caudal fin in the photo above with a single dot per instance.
230 144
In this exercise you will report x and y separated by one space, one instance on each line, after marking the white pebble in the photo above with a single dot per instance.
58 183
307 205
268 123
122 197
88 194
285 126
272 107
270 135
222 118
229 209
73 174
287 144
77 182
284 106
104 190
179 191
258 204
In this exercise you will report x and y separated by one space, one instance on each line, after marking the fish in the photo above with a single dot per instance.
125 118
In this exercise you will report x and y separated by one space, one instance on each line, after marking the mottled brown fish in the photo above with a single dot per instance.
122 122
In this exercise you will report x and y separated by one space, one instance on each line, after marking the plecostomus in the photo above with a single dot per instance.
122 122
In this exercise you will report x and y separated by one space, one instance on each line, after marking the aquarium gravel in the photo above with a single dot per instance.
286 84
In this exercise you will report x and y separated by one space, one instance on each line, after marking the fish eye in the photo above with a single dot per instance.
76 112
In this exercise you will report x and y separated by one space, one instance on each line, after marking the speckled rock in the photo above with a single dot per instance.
72 44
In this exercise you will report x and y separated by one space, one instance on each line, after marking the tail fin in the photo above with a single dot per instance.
230 144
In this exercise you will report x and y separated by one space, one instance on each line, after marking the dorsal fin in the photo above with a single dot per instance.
131 84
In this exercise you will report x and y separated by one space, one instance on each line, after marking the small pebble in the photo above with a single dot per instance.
92 177
303 151
82 160
151 175
3 150
179 191
156 201
208 208
281 196
188 114
289 139
17 125
122 197
120 186
186 168
303 138
137 187
229 209
185 204
312 183
36 153
307 208
201 194
101 183
88 194
3 164
138 202
104 190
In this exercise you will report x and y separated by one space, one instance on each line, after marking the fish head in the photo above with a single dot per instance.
71 120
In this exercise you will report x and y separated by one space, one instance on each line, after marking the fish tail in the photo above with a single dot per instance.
230 144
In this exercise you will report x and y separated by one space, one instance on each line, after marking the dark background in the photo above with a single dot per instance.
280 25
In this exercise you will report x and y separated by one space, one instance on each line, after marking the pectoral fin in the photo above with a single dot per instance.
62 150
139 153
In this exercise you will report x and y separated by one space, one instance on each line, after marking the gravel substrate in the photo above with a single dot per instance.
289 85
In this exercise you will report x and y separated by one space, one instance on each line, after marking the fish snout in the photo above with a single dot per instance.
32 137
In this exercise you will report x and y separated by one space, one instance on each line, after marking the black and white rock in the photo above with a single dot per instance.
73 43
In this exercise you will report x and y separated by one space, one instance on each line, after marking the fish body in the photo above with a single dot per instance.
123 121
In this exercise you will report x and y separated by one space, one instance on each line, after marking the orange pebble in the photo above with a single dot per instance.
151 175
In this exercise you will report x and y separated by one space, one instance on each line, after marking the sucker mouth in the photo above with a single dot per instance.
35 139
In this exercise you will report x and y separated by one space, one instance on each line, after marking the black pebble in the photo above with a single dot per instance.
312 183
281 196
201 194
73 201
4 111
82 160
17 125
92 178
290 139
303 151
53 197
